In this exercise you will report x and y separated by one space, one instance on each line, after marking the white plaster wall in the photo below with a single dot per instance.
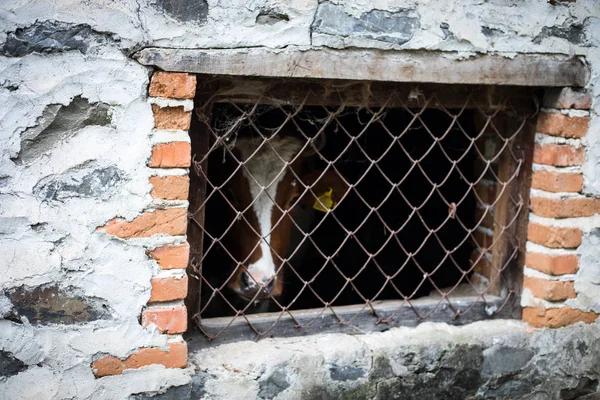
55 241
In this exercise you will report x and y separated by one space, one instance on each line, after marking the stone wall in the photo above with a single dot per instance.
92 205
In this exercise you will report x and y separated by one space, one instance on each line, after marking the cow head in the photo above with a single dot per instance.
266 192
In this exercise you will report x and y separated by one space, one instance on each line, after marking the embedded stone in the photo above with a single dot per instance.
275 383
185 10
97 183
51 37
59 123
346 373
573 33
501 360
396 27
271 17
43 305
10 365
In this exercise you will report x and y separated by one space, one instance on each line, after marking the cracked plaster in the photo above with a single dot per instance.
65 246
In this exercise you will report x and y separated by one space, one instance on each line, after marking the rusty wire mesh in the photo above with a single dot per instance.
417 216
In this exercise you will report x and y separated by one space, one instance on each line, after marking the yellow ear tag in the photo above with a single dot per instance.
324 202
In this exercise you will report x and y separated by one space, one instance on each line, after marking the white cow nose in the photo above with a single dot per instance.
250 282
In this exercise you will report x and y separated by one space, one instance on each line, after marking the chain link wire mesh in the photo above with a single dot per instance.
383 202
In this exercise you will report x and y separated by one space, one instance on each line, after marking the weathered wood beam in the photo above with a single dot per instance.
540 70
358 319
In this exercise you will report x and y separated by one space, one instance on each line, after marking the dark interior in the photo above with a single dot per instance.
414 251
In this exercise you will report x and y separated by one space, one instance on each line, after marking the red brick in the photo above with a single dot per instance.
565 208
567 97
559 155
557 181
173 85
172 257
552 236
556 317
562 125
550 290
172 221
175 357
171 118
170 187
169 288
168 320
171 155
552 264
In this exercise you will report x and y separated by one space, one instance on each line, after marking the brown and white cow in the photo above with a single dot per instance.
268 191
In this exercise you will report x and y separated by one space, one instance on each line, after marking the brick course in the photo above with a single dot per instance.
550 290
559 155
171 155
172 221
172 256
552 236
552 264
170 187
557 181
167 320
565 208
173 85
173 357
562 125
556 317
171 118
168 289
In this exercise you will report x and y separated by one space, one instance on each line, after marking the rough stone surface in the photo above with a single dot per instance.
484 360
50 37
574 33
276 382
9 365
504 360
270 17
53 305
80 182
393 27
565 98
194 11
59 123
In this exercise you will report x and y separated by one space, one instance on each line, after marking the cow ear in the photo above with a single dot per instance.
327 190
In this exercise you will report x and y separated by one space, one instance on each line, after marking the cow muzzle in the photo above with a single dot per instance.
257 286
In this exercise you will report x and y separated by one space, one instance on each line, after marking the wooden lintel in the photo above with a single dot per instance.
540 70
